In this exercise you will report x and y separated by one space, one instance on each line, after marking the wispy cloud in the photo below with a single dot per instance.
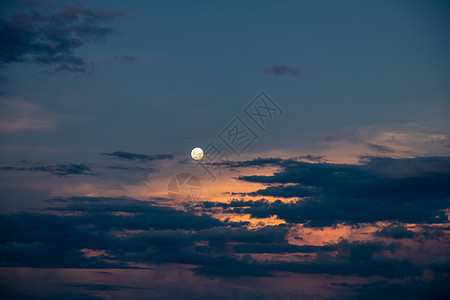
60 170
131 169
123 155
380 148
276 69
18 115
390 140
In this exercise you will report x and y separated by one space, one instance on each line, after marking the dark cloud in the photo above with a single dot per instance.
283 191
381 189
260 162
379 148
276 69
50 35
125 232
272 161
122 155
58 240
145 215
395 232
355 258
279 248
60 169
132 169
416 288
312 158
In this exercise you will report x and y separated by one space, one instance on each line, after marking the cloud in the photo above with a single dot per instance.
18 115
123 232
131 169
276 69
49 36
53 240
393 140
312 158
395 232
122 155
260 162
417 288
355 258
283 191
60 169
382 189
380 148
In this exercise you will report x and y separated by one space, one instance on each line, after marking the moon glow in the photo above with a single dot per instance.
197 153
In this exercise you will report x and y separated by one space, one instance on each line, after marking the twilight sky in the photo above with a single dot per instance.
326 133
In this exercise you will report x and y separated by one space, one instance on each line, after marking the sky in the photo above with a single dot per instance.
326 135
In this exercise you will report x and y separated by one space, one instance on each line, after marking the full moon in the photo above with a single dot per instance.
197 153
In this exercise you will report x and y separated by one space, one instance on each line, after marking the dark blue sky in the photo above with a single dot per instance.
176 70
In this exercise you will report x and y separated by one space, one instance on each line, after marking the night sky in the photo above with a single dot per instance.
326 135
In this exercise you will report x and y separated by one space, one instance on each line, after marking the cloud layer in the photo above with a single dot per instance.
381 189
123 233
129 156
396 209
59 169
